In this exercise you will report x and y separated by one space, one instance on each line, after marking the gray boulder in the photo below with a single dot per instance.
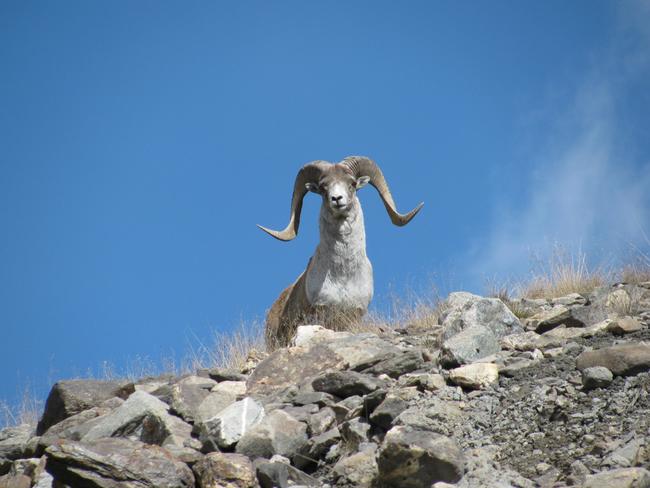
74 427
558 315
355 432
622 360
227 470
212 404
345 383
14 441
291 366
596 377
226 428
142 417
465 310
112 463
277 433
317 448
387 411
358 469
469 345
397 365
187 394
281 475
73 396
412 458
619 478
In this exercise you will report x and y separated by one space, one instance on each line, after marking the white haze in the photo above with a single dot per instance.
590 189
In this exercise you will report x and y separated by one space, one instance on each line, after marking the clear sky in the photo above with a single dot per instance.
140 143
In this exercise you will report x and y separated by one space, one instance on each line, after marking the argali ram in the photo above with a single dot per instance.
337 286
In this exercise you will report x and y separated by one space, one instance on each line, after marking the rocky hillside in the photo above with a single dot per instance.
547 393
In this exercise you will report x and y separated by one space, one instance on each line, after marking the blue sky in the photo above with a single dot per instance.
142 141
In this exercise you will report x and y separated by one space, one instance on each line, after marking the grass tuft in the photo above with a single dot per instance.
229 349
27 411
564 274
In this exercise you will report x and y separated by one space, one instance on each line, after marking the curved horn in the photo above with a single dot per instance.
309 173
362 166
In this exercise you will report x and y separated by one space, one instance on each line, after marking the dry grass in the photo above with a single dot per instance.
27 411
563 274
635 273
228 349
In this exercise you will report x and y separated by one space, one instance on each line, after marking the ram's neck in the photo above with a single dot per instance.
345 238
339 274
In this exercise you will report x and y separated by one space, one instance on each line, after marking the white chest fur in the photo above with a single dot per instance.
340 273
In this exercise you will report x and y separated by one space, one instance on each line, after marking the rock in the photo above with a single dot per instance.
588 315
412 458
14 441
624 325
355 432
187 394
301 413
43 480
511 367
465 310
74 427
232 388
387 411
549 319
349 408
277 433
319 398
476 376
227 427
618 300
316 449
630 454
222 374
596 377
423 381
483 470
622 360
398 365
345 383
321 421
73 396
619 478
308 335
528 341
281 475
564 333
569 300
436 415
141 417
288 367
469 345
359 469
225 470
15 481
5 465
212 405
111 463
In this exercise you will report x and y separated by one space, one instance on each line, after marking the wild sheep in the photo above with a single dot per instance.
336 287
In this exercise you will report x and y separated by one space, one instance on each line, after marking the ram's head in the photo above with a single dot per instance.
337 184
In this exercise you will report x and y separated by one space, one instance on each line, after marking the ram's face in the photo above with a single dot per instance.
338 188
338 193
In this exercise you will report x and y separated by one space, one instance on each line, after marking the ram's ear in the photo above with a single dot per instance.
362 181
313 187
